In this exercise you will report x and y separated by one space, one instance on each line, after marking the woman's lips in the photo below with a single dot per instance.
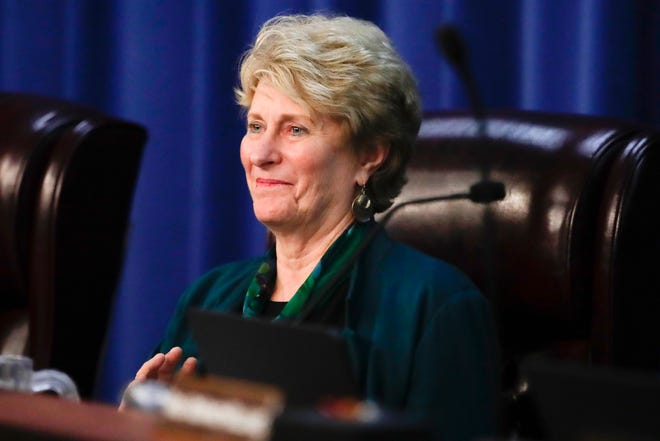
265 182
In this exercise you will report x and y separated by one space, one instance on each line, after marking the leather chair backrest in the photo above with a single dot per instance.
625 330
67 177
568 256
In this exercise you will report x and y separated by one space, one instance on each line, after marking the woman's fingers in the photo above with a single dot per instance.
149 370
167 368
189 366
162 367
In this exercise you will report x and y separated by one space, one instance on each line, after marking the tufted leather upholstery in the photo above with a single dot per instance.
67 176
569 257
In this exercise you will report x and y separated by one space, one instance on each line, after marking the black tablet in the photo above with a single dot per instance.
308 363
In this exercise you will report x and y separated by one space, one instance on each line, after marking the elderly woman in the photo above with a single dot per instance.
332 113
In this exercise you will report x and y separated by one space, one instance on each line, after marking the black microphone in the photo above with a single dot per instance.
486 191
451 45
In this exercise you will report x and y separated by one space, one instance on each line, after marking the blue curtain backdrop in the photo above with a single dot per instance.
171 66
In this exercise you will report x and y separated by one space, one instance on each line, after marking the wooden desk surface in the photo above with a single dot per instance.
39 417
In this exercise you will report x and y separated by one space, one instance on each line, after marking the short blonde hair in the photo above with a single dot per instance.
348 69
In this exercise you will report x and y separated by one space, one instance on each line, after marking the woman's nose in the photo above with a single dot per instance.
265 151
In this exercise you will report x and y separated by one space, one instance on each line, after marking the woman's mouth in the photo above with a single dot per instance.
269 182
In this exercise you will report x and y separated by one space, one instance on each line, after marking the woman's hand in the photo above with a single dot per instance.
162 367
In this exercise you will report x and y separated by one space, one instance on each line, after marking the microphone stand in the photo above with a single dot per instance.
451 44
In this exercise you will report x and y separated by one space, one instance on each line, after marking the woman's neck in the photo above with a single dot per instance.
298 255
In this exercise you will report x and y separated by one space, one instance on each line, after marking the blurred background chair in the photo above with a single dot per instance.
67 178
569 257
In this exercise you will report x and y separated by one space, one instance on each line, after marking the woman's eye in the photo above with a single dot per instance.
297 130
254 127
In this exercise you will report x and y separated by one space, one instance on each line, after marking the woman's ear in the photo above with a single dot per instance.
371 159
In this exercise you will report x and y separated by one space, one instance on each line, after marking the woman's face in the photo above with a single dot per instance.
299 167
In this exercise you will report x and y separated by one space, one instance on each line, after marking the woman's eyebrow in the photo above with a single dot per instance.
287 117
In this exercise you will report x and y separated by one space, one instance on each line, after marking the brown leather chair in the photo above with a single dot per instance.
67 177
569 257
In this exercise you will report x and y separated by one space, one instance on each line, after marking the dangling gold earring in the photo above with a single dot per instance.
362 207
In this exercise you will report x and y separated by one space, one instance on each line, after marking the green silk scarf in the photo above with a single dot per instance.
262 285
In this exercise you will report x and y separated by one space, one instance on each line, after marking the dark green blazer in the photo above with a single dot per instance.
421 336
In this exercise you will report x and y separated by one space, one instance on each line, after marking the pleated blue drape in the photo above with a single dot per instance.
171 65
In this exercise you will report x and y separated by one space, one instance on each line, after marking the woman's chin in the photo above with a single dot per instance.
273 220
